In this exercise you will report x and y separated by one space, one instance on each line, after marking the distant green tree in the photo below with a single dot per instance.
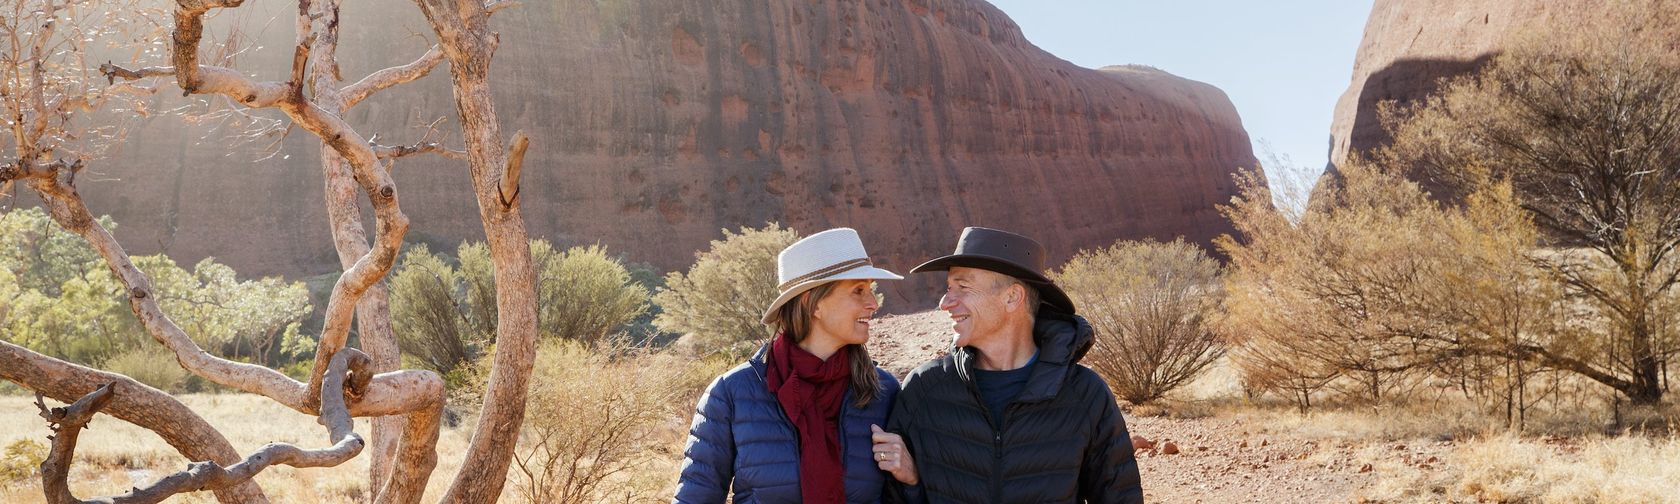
60 299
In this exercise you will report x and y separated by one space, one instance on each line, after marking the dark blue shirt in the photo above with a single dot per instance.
999 388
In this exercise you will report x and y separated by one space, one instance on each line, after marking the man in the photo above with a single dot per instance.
1008 416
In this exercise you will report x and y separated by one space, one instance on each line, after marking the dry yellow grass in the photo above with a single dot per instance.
1615 470
114 455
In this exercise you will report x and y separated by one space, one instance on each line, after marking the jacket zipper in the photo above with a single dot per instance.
997 437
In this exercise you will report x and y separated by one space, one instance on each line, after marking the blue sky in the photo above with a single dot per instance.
1283 63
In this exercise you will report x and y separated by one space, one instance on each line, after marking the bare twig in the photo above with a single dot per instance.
113 72
397 151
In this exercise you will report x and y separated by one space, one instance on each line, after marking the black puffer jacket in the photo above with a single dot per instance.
1062 439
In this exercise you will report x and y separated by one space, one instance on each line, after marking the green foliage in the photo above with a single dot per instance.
720 301
424 312
41 255
228 316
479 302
1152 306
21 459
584 294
59 298
153 365
445 314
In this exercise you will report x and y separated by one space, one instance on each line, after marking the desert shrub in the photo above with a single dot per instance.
583 294
1377 290
21 459
152 365
426 314
1151 305
445 314
590 424
477 296
719 301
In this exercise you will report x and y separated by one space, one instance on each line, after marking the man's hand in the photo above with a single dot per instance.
891 455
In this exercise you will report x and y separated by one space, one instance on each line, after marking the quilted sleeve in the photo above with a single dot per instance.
709 459
1110 472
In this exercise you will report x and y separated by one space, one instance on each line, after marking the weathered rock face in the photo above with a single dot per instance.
1410 45
656 124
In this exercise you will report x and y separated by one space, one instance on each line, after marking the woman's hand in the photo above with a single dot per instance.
891 455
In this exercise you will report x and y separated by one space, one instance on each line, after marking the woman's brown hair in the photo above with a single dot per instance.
794 317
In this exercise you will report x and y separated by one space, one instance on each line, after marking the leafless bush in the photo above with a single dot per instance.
1151 305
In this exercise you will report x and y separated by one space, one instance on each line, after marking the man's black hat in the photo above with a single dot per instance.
1007 253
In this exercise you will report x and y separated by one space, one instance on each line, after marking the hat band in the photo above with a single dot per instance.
828 271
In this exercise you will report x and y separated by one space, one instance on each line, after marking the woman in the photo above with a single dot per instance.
792 424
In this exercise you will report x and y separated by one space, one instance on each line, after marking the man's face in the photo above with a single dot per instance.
975 299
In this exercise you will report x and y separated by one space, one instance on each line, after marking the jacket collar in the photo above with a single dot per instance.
1062 340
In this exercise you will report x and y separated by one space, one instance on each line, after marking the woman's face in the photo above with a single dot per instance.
844 313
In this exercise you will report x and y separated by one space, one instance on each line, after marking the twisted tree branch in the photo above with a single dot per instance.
69 421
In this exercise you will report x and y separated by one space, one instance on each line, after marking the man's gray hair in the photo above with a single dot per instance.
1005 281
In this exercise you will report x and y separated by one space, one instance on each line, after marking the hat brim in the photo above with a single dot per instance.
1048 292
864 273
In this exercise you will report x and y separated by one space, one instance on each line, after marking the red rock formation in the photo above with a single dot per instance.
656 124
1410 45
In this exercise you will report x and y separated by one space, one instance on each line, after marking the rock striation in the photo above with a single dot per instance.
656 124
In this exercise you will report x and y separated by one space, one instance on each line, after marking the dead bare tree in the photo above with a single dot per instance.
462 29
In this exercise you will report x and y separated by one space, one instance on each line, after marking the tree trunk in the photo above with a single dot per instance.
463 31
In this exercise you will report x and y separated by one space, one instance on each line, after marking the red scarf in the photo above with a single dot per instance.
811 392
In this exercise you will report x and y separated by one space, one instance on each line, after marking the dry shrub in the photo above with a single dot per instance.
1584 123
719 302
1151 305
20 460
152 365
590 425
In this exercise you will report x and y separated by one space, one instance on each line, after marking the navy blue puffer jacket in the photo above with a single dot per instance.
741 435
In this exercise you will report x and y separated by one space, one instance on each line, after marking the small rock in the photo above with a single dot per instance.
1264 442
1244 444
1201 448
1432 460
1399 447
1141 443
1365 468
1169 448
